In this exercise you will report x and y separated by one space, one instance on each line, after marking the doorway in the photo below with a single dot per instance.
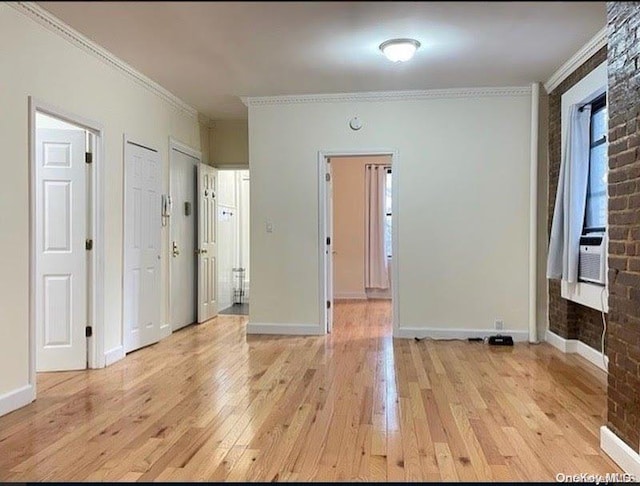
233 233
358 229
183 301
66 242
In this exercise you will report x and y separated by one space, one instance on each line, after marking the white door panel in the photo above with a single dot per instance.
61 257
142 222
183 240
207 242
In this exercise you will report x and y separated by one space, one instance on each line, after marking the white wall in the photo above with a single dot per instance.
36 62
229 142
463 176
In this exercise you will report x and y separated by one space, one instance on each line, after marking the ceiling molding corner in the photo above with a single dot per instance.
205 120
373 96
57 26
596 43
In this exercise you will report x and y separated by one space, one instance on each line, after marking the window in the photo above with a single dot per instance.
387 212
595 217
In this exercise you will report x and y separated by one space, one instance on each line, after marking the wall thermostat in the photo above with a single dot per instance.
355 123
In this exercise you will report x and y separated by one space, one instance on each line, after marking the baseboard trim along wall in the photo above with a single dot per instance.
623 455
439 333
165 330
16 399
350 295
113 355
284 329
574 346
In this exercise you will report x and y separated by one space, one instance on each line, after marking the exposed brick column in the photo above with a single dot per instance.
624 221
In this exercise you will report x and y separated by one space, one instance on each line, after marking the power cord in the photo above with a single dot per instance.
604 329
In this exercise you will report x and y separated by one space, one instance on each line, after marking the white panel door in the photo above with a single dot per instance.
207 242
183 240
61 257
142 222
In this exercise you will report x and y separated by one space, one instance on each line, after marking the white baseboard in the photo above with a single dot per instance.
285 329
113 355
17 399
165 330
440 333
560 343
571 346
350 295
623 455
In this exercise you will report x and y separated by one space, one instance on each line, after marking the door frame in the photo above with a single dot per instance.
234 168
323 158
95 278
175 144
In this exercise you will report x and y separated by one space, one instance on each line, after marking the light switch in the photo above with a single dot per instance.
269 226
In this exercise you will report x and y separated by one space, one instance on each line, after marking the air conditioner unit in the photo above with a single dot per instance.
593 259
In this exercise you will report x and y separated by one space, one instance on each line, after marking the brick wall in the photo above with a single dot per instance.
624 221
566 318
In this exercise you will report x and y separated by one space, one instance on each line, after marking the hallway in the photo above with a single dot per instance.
210 403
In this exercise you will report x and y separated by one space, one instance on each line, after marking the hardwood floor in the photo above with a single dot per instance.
210 403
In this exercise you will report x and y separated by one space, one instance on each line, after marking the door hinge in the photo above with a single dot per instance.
88 158
88 331
328 240
328 304
327 177
88 245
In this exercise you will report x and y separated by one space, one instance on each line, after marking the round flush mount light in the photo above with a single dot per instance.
399 50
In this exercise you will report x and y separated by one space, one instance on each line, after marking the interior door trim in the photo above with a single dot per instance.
95 343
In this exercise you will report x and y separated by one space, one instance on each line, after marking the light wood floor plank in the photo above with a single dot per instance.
211 403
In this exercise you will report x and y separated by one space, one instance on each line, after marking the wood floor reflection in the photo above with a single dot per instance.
208 403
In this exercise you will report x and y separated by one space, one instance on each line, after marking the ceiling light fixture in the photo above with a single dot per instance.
399 50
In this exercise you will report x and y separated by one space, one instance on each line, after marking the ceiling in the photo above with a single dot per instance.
210 53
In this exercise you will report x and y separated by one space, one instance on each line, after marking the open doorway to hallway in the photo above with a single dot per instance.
233 241
361 220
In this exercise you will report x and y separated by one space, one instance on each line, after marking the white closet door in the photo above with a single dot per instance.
142 222
61 257
207 242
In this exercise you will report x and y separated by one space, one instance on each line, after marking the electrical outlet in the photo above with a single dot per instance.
499 324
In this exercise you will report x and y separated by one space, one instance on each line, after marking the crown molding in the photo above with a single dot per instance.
596 43
57 26
414 95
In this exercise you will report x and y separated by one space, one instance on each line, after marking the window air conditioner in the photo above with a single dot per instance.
593 259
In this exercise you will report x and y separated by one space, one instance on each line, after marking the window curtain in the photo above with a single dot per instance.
376 271
571 195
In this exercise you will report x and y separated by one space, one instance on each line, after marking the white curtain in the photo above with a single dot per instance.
568 214
376 271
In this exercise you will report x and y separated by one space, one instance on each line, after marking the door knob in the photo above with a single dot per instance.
200 252
176 252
